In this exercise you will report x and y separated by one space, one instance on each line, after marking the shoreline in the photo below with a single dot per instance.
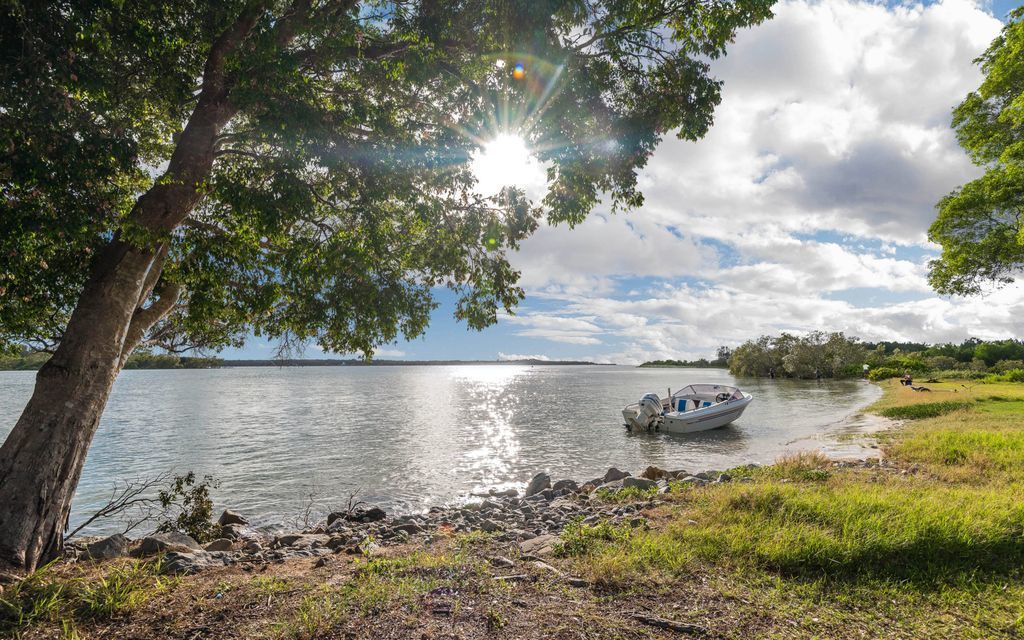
540 512
919 544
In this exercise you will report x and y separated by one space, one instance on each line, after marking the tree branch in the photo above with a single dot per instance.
144 319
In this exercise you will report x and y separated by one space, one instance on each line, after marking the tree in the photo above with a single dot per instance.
979 225
177 174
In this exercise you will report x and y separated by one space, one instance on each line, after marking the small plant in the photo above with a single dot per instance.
194 507
579 539
317 614
883 373
495 620
267 586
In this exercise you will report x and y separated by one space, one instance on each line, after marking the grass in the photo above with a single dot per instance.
47 596
923 410
947 537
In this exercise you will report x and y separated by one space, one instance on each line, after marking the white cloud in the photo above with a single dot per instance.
505 357
805 207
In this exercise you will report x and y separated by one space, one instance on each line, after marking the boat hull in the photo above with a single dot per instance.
704 419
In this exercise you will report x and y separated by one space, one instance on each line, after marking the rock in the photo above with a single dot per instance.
373 514
114 546
724 477
540 564
507 493
171 541
539 546
490 526
692 480
679 473
322 562
253 546
187 563
642 484
232 531
220 544
614 474
565 485
409 528
501 561
588 488
578 582
303 540
655 473
612 486
540 482
231 517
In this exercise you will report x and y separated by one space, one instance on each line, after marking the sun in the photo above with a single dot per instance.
504 161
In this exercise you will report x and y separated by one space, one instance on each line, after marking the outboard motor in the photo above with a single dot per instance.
649 413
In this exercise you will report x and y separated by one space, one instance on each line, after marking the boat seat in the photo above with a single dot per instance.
707 403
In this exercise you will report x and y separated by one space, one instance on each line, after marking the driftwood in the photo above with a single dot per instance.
670 625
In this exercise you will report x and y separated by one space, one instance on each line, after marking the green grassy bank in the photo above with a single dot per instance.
929 544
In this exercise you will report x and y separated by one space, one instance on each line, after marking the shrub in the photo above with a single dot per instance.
883 373
193 505
1013 375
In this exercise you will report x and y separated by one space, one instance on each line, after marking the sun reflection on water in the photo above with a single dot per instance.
494 446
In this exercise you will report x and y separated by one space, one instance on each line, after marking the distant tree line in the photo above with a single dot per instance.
834 355
141 359
721 361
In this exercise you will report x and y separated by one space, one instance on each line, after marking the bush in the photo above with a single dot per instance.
1013 375
193 505
883 373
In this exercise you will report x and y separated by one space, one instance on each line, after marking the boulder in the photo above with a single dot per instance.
540 482
373 514
171 541
642 484
114 546
539 546
490 526
655 473
187 563
232 531
302 540
565 485
231 517
220 544
614 474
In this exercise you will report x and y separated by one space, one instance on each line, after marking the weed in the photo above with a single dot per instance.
495 620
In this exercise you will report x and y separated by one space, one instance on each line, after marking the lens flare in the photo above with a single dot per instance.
519 71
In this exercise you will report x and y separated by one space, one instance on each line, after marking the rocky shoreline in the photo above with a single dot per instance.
534 520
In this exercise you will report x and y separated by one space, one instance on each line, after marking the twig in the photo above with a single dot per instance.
670 625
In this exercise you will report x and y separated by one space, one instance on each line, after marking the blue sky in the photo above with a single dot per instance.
806 207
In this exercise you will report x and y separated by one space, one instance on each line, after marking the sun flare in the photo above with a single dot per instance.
504 161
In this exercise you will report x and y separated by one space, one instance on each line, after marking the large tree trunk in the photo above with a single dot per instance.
42 458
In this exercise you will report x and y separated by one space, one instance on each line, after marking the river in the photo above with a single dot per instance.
408 437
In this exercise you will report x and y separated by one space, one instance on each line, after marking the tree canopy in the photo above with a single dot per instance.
340 196
979 225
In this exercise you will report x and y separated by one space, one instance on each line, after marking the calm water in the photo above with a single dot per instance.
411 437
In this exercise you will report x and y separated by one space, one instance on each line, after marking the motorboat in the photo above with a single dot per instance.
697 407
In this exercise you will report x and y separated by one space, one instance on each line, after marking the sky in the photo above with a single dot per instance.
805 207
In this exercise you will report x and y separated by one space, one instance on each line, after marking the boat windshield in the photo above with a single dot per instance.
705 389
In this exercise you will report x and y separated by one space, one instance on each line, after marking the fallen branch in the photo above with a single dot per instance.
670 625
